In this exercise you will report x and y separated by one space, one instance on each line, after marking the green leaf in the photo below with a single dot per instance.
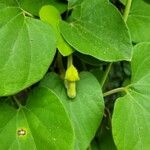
131 117
71 3
86 110
33 7
52 16
43 121
5 3
97 29
27 48
139 21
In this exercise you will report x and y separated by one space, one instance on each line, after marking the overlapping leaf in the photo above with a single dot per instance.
41 124
51 15
85 111
97 29
131 117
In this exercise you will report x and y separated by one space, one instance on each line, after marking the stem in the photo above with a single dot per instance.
121 89
106 74
70 61
60 64
127 10
17 101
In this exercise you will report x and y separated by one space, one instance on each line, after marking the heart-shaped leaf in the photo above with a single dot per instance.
98 30
86 110
131 117
27 48
139 21
42 124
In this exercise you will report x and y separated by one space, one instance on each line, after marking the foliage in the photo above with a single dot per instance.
74 75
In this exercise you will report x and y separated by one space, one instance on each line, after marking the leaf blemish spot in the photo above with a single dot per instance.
21 132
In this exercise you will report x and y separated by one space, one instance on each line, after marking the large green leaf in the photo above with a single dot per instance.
139 21
43 120
86 110
27 47
97 29
131 117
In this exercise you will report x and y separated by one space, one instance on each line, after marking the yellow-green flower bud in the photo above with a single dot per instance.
72 74
71 89
71 77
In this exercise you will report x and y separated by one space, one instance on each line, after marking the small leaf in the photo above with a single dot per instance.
52 16
131 116
85 110
139 21
41 124
98 30
64 48
27 48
